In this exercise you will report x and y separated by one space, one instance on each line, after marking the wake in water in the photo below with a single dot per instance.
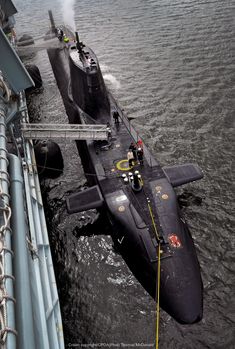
109 77
68 13
104 68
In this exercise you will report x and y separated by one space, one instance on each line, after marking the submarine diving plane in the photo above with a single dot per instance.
136 195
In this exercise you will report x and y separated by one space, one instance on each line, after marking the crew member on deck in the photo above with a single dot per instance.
139 144
116 117
130 158
66 39
140 156
109 131
133 148
60 34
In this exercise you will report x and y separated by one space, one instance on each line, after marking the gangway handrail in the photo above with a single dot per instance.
68 131
64 126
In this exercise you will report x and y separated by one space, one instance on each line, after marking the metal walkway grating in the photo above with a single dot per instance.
67 131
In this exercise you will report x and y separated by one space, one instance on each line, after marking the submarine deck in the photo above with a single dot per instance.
113 157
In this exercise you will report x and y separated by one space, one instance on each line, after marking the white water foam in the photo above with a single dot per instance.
68 13
104 68
109 77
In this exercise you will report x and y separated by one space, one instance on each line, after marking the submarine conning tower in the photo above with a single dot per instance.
88 88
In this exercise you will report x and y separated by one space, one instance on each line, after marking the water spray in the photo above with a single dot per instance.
68 13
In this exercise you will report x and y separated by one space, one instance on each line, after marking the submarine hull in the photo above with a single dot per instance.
180 279
181 290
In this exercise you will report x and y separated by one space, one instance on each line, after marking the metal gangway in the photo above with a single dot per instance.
67 131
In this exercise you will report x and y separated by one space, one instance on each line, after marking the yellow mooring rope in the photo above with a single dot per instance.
158 273
158 293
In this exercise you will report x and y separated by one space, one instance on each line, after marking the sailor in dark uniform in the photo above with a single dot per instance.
116 117
140 156
133 148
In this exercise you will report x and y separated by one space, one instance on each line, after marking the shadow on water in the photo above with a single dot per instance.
188 199
72 283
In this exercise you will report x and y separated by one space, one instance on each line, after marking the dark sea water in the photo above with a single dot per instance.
171 66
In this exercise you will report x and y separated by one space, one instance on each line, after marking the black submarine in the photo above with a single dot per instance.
137 196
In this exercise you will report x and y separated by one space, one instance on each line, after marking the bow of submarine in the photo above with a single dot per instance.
180 283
